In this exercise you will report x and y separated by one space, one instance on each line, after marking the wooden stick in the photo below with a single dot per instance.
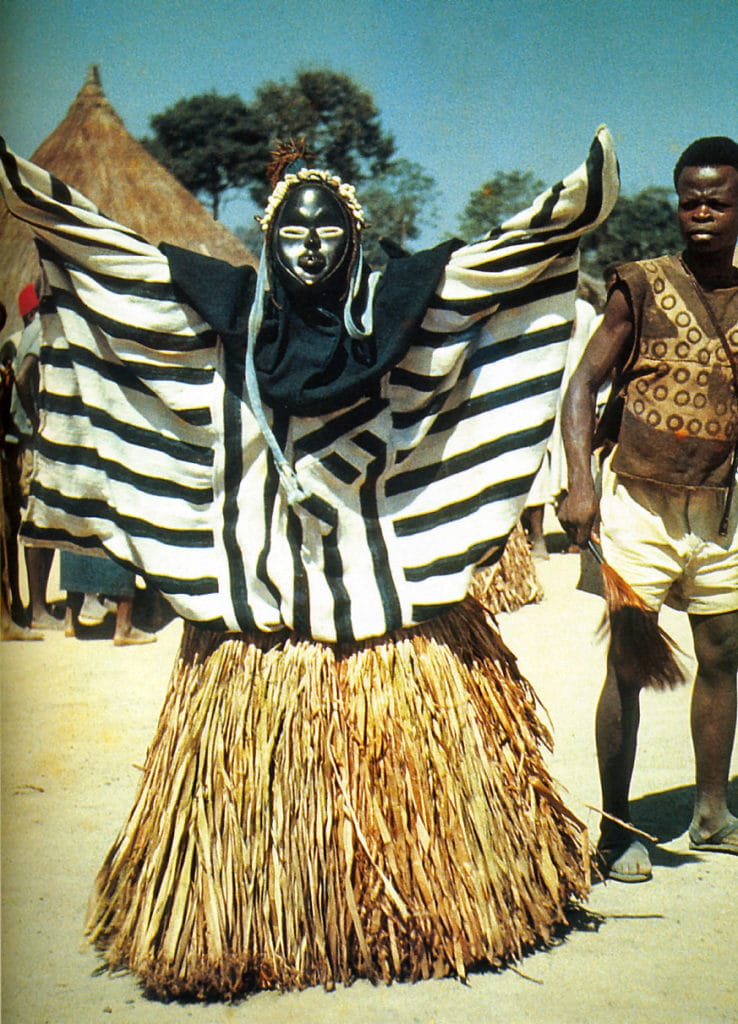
619 821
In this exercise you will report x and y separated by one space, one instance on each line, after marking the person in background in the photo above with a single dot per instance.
11 496
85 578
24 410
9 630
669 516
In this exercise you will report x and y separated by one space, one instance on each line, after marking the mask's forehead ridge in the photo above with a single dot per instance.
312 204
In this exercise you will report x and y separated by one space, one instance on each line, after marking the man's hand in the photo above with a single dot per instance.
577 513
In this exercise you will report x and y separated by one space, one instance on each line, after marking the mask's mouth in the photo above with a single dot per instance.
312 262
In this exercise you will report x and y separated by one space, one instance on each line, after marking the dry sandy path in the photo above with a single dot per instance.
77 717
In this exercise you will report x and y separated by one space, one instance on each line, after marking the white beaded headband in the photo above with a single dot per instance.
346 192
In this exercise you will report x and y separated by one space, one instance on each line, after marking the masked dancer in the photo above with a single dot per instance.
347 778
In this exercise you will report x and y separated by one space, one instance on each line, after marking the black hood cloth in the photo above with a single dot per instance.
306 362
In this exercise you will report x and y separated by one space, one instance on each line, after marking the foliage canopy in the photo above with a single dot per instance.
338 119
210 143
214 144
496 200
398 203
640 227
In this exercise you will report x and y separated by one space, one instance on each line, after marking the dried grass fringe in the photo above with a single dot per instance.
645 653
310 814
512 582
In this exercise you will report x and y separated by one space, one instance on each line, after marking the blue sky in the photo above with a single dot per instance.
467 88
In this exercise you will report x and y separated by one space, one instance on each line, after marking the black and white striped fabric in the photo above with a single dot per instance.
149 450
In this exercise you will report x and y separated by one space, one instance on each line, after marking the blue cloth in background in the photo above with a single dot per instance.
91 574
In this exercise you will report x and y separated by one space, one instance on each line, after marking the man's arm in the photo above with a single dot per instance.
27 383
606 348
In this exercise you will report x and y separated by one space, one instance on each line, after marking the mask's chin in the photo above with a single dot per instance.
327 291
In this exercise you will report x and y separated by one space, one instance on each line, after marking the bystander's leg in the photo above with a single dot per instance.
38 567
125 632
713 729
616 731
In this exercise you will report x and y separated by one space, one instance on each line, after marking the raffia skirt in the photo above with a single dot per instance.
512 582
311 813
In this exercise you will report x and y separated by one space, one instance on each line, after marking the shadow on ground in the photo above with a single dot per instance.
667 815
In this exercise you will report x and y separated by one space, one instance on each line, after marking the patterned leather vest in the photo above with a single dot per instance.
680 420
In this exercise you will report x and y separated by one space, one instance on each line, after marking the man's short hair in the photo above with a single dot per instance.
8 351
712 151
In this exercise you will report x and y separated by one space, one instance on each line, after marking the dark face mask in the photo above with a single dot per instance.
311 241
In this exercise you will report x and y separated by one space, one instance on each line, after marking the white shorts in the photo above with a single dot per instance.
665 544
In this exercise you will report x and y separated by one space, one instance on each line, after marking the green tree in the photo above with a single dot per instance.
338 119
496 200
640 227
211 144
398 203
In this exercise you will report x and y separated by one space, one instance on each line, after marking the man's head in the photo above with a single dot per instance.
8 353
27 303
712 151
706 181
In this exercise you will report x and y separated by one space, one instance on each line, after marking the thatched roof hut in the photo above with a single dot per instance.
92 151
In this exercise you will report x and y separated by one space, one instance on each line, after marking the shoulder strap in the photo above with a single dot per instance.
723 528
715 323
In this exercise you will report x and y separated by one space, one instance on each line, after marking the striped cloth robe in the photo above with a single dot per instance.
148 448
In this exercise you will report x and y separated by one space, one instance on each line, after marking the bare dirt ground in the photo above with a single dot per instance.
76 720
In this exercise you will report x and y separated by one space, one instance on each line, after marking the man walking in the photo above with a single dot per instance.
669 515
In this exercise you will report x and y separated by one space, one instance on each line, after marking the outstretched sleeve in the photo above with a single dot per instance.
127 458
